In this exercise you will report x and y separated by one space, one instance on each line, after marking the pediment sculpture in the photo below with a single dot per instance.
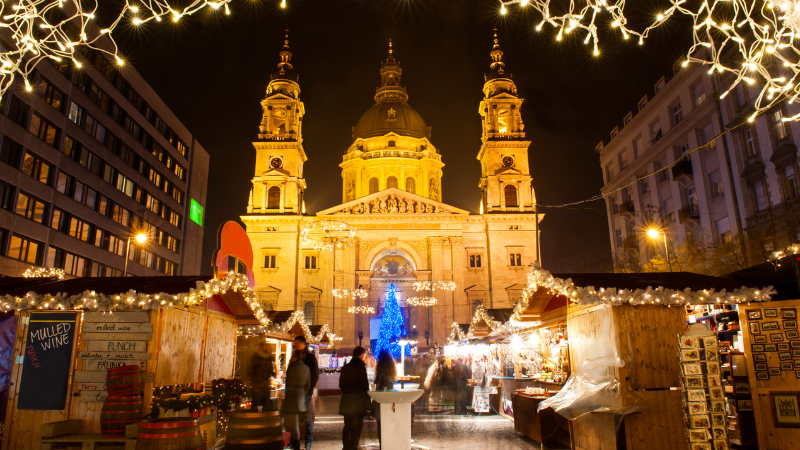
393 204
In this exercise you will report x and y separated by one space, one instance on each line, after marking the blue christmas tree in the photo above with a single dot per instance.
392 326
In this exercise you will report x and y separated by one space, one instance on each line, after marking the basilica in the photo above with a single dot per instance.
392 197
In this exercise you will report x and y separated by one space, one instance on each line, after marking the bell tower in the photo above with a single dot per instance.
278 184
505 175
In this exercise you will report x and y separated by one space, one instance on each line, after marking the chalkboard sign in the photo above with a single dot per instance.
47 361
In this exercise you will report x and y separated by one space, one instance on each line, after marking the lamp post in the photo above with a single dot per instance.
652 233
140 238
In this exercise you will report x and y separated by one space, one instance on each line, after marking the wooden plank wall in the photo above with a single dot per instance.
220 349
180 347
22 427
647 337
769 436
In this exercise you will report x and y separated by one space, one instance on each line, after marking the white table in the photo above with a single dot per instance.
396 417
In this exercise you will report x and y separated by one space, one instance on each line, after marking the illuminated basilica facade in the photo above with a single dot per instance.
392 195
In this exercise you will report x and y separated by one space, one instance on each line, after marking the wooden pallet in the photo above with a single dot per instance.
85 442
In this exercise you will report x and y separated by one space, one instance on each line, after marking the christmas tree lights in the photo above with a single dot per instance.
392 326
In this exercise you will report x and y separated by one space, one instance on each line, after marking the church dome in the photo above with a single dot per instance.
391 117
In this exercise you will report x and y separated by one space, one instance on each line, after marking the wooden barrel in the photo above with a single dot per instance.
172 433
254 430
124 380
118 412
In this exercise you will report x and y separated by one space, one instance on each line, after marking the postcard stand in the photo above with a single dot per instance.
704 395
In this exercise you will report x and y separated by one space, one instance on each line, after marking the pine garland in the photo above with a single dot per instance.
223 392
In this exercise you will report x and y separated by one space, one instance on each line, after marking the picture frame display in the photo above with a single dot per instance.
792 334
713 367
714 381
690 354
783 347
716 393
698 435
701 446
770 326
784 356
710 342
761 366
718 433
721 444
759 357
712 355
774 370
694 382
770 347
789 324
744 405
762 376
698 408
760 338
692 369
787 365
701 421
696 395
795 344
717 420
770 313
753 314
757 347
786 409
742 388
776 337
755 328
690 342
718 407
789 313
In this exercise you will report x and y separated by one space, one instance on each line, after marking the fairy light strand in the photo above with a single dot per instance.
44 272
752 42
325 234
421 301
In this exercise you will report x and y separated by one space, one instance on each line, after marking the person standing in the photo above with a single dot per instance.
461 374
298 384
262 368
310 360
385 376
355 401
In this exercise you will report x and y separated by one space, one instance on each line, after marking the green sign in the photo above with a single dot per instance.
196 213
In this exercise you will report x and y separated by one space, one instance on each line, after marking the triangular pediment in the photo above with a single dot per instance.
273 172
508 171
393 201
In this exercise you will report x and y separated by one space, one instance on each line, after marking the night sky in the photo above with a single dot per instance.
212 71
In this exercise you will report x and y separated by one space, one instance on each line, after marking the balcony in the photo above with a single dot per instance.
682 171
626 208
791 203
690 212
630 243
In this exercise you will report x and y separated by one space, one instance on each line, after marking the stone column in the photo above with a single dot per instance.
438 321
463 308
419 314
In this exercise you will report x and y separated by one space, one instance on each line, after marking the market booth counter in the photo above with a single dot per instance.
177 330
626 387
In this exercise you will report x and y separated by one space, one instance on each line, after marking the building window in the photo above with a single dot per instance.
644 186
707 135
676 113
515 259
18 111
618 237
475 260
759 196
31 207
779 127
51 95
511 195
391 182
609 172
623 161
642 103
310 312
270 261
682 152
614 132
627 119
724 231
74 265
311 262
25 249
44 130
11 152
749 142
274 198
36 167
662 173
699 94
392 144
637 147
411 185
669 210
791 182
660 85
715 181
373 185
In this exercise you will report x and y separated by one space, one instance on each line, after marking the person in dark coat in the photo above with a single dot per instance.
355 401
310 360
461 374
298 382
385 376
262 368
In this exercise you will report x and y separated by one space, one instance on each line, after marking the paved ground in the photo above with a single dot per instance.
437 432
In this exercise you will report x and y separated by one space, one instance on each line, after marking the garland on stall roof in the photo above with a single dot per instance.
540 278
775 257
300 317
456 335
223 392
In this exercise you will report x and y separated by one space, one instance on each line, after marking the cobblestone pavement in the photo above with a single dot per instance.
437 432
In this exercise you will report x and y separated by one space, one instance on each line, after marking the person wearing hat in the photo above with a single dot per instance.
355 403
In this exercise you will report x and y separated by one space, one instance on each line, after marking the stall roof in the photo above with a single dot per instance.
782 278
669 280
18 286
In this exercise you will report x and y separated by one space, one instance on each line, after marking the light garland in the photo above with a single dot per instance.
481 315
431 285
363 309
44 272
350 293
334 234
776 257
300 317
540 278
763 36
56 29
421 301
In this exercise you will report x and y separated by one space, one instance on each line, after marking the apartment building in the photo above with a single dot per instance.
90 157
667 167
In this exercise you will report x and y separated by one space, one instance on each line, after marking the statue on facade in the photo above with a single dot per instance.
392 205
401 205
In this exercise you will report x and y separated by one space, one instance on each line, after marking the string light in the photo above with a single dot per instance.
752 44
431 285
65 27
44 272
350 293
363 309
775 257
325 234
421 301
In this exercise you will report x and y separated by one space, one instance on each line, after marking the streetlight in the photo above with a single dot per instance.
652 233
140 238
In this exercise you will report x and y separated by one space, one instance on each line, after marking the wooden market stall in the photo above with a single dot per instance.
189 340
631 310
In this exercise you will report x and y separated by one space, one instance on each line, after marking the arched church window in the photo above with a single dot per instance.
310 312
511 195
274 197
391 182
411 185
373 185
392 144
